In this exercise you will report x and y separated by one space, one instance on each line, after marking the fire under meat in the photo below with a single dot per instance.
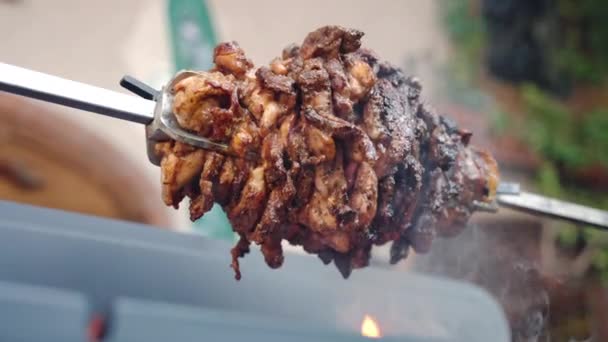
348 154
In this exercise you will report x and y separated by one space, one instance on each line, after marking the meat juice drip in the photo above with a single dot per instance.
349 154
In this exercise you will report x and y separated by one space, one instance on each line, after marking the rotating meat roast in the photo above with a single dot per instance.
332 149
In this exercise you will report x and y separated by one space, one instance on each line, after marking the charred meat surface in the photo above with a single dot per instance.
349 154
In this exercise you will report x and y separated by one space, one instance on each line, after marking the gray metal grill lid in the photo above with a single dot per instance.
154 284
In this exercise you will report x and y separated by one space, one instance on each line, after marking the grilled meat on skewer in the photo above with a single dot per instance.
349 154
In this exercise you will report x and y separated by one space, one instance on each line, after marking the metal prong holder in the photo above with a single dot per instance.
165 126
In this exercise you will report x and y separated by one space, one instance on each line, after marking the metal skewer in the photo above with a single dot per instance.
73 94
509 195
153 109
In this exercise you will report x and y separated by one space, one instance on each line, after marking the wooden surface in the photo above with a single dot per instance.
50 161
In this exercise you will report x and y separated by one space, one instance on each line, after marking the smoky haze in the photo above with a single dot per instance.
501 256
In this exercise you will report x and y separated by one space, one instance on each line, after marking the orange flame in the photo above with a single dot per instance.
370 328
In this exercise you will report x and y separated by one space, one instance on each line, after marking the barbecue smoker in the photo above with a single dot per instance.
68 277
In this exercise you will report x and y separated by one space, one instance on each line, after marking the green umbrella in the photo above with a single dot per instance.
192 41
192 34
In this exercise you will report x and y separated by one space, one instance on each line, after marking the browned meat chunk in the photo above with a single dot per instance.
229 58
347 154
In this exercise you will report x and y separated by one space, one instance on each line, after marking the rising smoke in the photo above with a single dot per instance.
501 258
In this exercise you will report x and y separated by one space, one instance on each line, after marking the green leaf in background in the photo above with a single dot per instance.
192 41
548 180
552 129
595 135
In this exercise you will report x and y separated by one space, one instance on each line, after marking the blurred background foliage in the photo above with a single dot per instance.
583 54
553 54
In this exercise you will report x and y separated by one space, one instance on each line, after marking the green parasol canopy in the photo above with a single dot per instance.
192 41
